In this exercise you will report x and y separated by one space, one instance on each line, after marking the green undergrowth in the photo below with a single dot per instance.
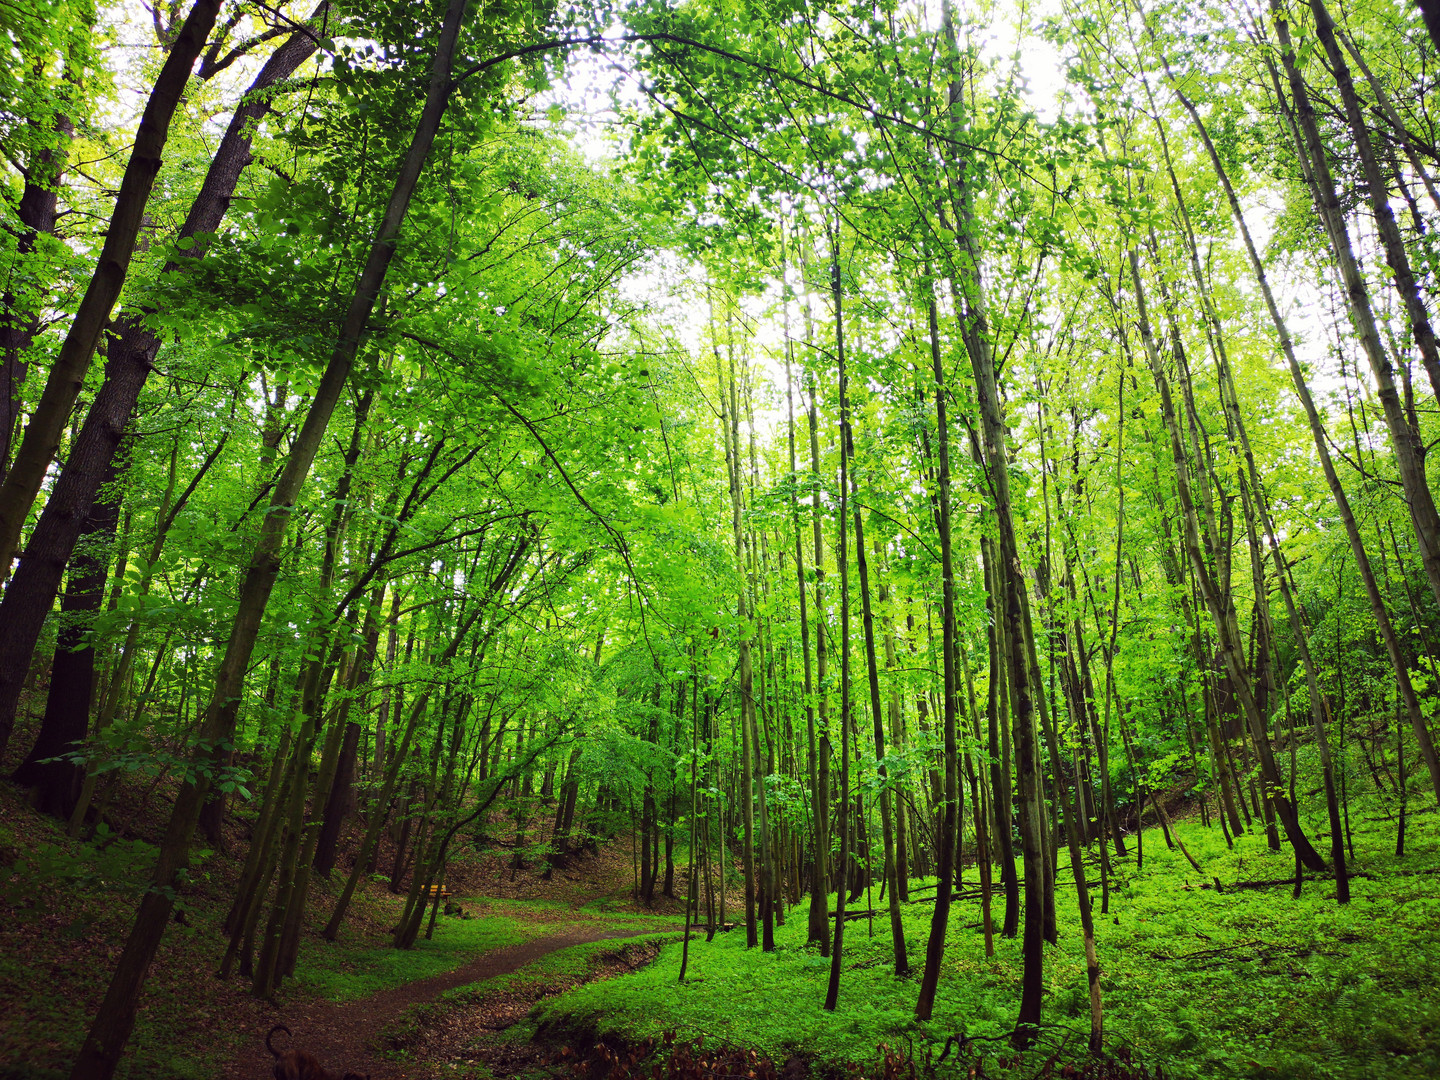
536 980
612 913
66 906
616 912
574 962
347 972
1241 983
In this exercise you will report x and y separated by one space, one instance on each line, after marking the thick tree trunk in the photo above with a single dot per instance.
72 672
131 353
111 1028
67 374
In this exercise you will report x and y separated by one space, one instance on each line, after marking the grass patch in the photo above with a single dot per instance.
576 962
486 1028
1244 983
611 911
346 973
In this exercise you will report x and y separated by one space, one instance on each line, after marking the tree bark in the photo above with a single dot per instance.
1404 438
1070 813
65 724
818 926
872 668
1378 192
949 824
67 375
111 1028
820 881
1398 661
341 802
31 594
832 990
36 213
1223 617
730 421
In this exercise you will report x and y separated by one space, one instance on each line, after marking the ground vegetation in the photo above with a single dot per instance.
850 452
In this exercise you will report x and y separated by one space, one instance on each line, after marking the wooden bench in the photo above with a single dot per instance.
433 890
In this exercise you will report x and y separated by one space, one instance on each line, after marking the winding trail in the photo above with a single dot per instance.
339 1035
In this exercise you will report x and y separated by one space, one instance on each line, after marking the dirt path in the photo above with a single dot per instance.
339 1035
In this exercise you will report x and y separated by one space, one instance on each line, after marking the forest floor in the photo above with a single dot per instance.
1246 982
66 907
370 1035
1243 982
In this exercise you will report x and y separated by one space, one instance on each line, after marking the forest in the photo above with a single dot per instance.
941 488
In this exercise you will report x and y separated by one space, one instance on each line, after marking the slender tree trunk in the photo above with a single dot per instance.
565 811
36 213
818 927
1398 661
897 738
382 729
1254 491
265 822
1070 814
897 931
341 802
1222 617
730 421
757 571
692 887
949 824
983 829
378 815
820 887
998 744
1378 192
832 992
1405 439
